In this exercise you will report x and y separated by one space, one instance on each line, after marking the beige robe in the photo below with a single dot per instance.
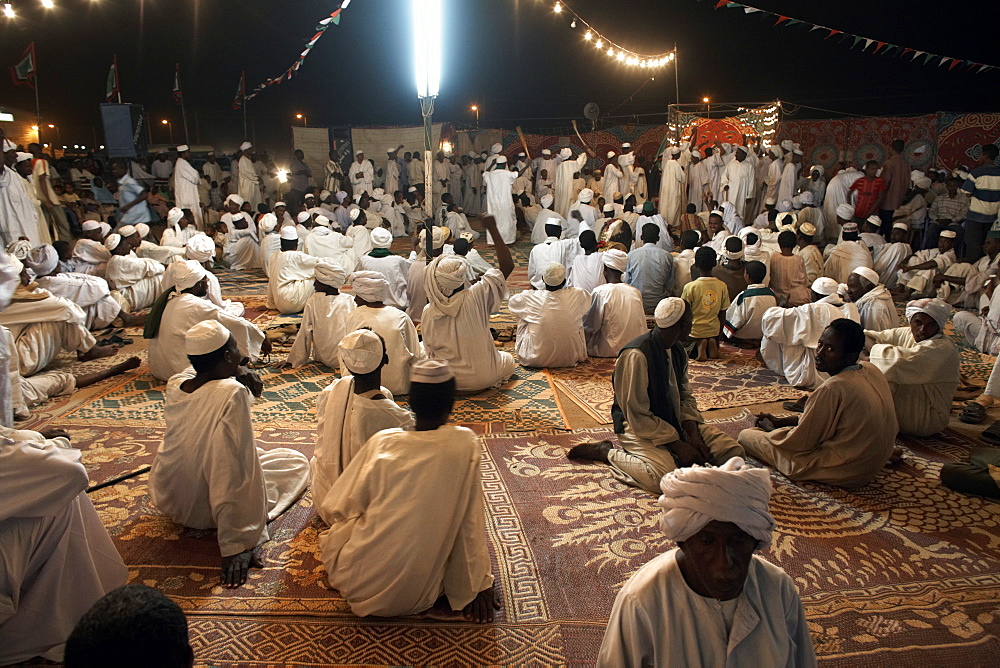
322 329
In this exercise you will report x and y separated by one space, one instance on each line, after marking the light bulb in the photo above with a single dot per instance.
558 8
48 4
572 24
8 10
599 44
611 52
588 35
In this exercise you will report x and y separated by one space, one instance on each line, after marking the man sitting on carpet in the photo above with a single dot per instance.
550 321
921 365
135 280
290 275
847 255
323 320
847 431
710 601
209 472
875 306
351 410
655 415
744 315
616 315
916 273
407 522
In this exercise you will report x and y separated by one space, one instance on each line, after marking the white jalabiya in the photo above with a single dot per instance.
391 175
789 176
136 279
887 262
922 281
550 326
739 177
614 181
184 311
845 258
93 257
772 179
162 254
791 336
213 171
923 377
815 217
249 183
396 270
18 211
970 294
230 307
744 315
209 472
362 184
90 293
270 243
589 214
683 262
290 281
402 344
177 236
408 493
332 245
186 182
672 190
346 421
360 237
563 183
614 319
547 217
658 620
500 204
877 310
44 328
462 337
697 185
322 328
56 558
241 250
587 271
666 242
563 251
838 192
472 190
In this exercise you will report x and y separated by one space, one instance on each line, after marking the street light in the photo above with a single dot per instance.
170 129
475 108
58 134
302 117
708 108
427 68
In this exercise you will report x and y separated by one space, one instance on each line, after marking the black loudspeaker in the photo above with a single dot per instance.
125 129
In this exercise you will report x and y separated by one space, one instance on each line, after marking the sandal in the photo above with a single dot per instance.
992 434
973 413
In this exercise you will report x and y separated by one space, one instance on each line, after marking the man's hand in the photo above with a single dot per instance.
480 610
766 422
938 279
236 568
686 454
359 175
250 380
693 432
54 432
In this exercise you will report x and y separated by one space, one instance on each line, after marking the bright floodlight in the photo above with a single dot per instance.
48 4
8 10
427 46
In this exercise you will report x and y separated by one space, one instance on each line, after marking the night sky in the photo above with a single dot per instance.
515 58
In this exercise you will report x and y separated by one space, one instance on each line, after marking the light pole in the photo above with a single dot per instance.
708 107
475 108
302 117
427 61
58 134
170 129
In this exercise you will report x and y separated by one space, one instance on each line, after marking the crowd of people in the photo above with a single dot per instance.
742 245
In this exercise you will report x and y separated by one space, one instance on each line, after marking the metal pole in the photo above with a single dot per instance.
427 110
184 118
244 106
677 84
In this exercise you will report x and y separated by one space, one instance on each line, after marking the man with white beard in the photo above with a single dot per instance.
249 182
186 181
499 200
672 187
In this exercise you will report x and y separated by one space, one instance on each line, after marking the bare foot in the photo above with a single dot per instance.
85 379
713 349
597 452
97 352
482 607
897 456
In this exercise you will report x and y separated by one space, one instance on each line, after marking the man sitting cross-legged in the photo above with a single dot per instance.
290 275
744 315
550 321
323 320
710 601
407 521
135 281
875 306
351 410
655 415
209 472
848 429
616 315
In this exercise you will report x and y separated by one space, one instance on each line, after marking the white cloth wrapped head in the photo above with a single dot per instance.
546 200
371 286
900 226
112 241
446 274
438 236
797 203
20 249
586 195
938 309
611 154
245 146
361 351
922 182
734 492
187 274
205 337
105 229
776 151
235 199
330 273
142 229
669 311
354 213
869 275
268 222
341 196
615 259
845 212
546 151
554 274
174 216
289 233
200 248
566 153
381 237
42 260
816 168
734 254
807 198
825 286
496 148
431 371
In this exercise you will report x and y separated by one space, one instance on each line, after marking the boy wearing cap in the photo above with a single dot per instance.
407 522
351 410
209 472
708 298
616 316
916 273
550 321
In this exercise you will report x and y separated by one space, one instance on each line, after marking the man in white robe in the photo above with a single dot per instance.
186 182
56 558
545 214
394 268
201 249
334 174
327 242
587 270
212 169
792 334
290 275
550 321
847 255
136 280
249 181
718 517
17 208
147 249
472 188
350 410
917 273
323 320
789 175
962 284
838 193
672 187
874 302
363 175
737 181
615 316
208 472
242 250
391 171
614 178
714 163
647 215
697 182
179 229
89 252
588 212
499 200
563 182
553 249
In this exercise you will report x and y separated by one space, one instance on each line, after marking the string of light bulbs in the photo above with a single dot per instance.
612 49
8 8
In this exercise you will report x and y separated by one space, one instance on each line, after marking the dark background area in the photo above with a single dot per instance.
517 59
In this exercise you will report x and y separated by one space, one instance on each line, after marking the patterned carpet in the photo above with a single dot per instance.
902 572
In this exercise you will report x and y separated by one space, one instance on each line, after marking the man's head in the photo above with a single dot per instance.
118 168
734 250
927 317
432 392
212 350
650 233
754 272
871 169
130 626
871 225
554 276
900 232
588 241
673 319
947 240
849 232
363 353
860 282
952 184
299 155
615 262
289 238
553 228
328 277
117 245
690 239
714 223
359 156
705 258
987 157
839 346
992 244
898 146
370 288
718 516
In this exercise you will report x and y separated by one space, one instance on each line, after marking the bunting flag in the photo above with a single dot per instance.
23 73
112 88
881 48
321 28
241 91
177 94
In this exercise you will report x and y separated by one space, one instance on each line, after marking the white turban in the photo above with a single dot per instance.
735 255
371 286
845 211
354 213
546 151
341 196
20 249
174 216
546 200
565 153
200 248
806 197
205 337
289 233
936 308
797 202
381 237
268 222
669 311
438 236
785 206
554 274
112 241
776 151
825 286
187 273
431 371
496 148
788 145
302 216
142 229
323 194
816 168
330 273
447 274
235 199
21 157
696 154
245 146
501 160
322 221
868 274
8 145
89 225
734 492
321 231
615 259
42 260
361 351
586 195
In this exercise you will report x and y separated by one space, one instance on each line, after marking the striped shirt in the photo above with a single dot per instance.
950 208
983 186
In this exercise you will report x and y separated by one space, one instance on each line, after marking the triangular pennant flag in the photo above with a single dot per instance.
733 5
944 59
750 10
868 42
857 40
781 19
878 46
816 27
721 3
928 57
906 51
325 22
336 18
24 71
983 68
917 54
317 36
304 53
792 22
834 32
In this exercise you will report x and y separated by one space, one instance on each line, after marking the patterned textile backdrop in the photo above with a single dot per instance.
962 136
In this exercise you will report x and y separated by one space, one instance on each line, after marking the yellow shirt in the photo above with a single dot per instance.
707 296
